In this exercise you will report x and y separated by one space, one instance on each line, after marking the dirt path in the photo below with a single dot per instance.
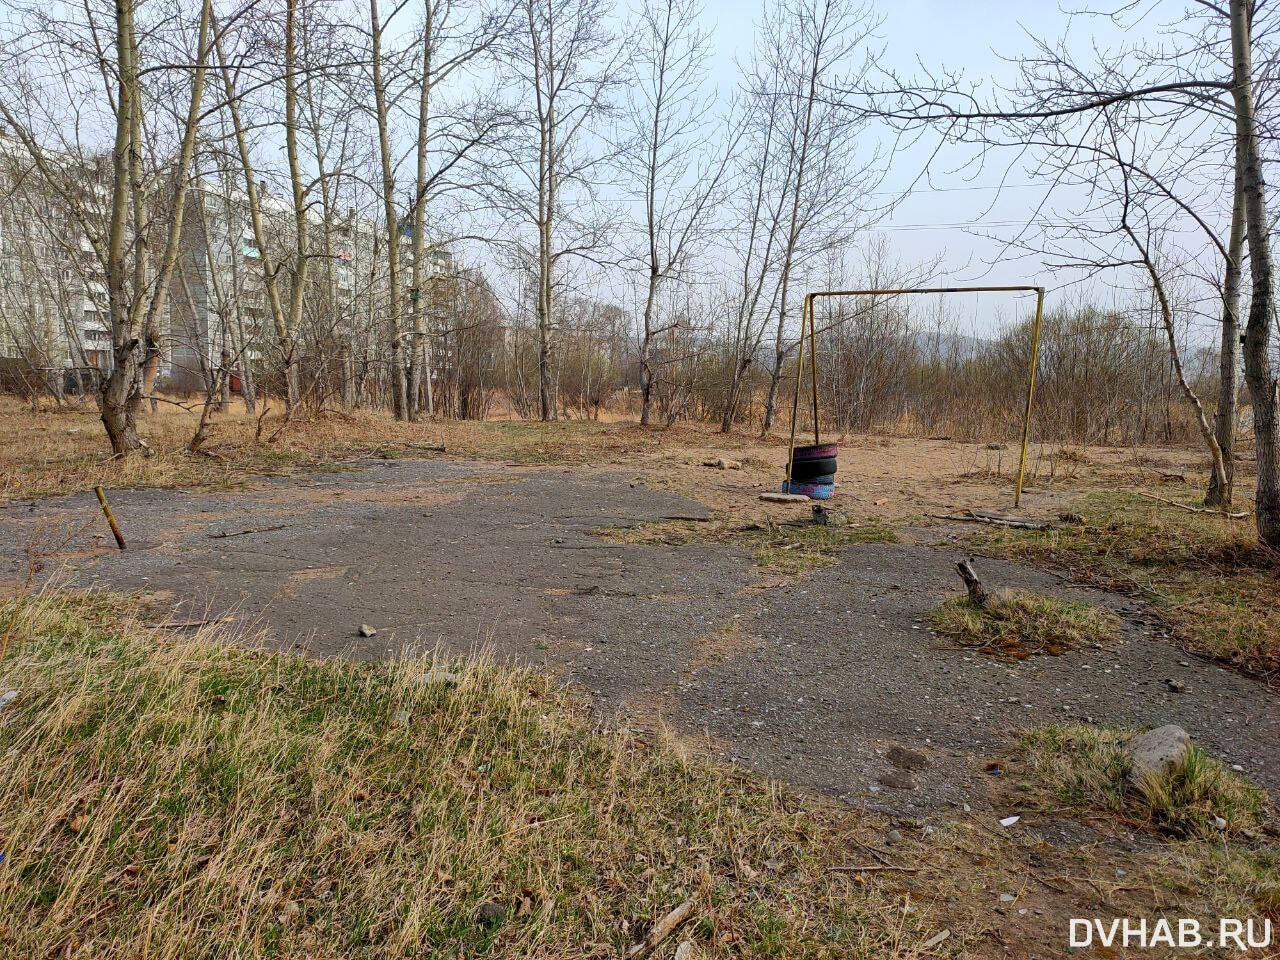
834 682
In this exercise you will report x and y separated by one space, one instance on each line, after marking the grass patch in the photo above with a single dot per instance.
1205 575
62 450
790 549
1085 767
1016 625
182 797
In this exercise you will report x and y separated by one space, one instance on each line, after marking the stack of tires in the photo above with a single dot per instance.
813 471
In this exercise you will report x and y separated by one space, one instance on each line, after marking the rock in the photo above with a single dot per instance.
937 939
8 697
447 677
1177 686
1157 751
892 837
1009 821
907 759
897 779
1007 898
366 630
1219 823
720 463
491 912
784 498
685 951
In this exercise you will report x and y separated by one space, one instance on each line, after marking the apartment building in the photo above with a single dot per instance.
53 310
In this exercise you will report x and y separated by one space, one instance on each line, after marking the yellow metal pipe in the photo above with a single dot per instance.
805 311
813 366
1031 394
111 517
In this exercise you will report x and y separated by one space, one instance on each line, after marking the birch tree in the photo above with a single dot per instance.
567 62
805 47
675 167
116 211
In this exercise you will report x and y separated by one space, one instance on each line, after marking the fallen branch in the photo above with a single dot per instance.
661 930
974 516
187 624
223 534
1190 509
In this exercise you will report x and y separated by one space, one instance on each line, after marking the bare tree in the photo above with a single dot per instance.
568 63
805 47
1259 370
1192 76
453 37
117 212
673 166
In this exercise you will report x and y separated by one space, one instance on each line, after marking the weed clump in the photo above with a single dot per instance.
1087 767
1015 625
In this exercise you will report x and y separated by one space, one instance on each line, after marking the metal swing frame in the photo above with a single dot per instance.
807 324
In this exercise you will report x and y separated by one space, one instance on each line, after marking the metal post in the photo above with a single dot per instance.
813 364
1031 393
111 517
805 311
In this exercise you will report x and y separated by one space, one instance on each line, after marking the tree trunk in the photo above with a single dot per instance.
420 358
400 397
1222 487
1258 372
646 346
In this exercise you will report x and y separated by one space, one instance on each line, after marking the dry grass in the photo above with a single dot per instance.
788 549
64 450
182 797
1085 767
176 797
1205 575
1016 625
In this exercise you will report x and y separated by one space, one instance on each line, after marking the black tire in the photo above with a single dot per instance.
815 451
808 469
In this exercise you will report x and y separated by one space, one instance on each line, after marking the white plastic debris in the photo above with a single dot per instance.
1009 821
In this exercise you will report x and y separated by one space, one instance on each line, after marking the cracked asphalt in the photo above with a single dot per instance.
833 682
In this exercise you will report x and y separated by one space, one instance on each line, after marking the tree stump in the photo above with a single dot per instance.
978 594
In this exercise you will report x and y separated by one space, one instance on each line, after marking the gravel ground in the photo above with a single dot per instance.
833 683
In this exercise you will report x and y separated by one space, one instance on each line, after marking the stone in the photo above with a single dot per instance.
906 758
685 951
491 912
892 837
720 463
897 779
1219 823
1177 686
366 630
8 697
784 498
1157 751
